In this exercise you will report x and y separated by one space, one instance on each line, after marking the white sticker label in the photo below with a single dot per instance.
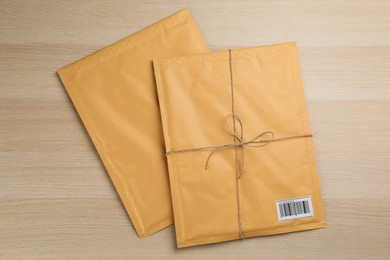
294 208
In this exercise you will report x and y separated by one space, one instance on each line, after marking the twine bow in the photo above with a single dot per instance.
260 140
240 142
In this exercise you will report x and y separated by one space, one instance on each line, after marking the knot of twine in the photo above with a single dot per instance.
260 140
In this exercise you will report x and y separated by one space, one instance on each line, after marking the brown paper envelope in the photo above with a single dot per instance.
279 190
114 93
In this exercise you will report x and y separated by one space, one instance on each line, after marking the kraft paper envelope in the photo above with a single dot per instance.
115 95
241 114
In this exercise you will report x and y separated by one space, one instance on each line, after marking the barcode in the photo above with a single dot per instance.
294 208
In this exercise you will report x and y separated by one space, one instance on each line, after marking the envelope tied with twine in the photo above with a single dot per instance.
269 185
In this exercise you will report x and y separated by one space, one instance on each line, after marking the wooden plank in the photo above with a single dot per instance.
56 200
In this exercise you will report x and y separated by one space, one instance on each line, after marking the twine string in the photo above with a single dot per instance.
237 140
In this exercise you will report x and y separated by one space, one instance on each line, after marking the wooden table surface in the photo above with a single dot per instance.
56 199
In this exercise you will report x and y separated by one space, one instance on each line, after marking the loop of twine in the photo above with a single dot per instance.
259 140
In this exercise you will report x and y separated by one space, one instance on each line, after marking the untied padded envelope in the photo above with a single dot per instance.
261 179
115 95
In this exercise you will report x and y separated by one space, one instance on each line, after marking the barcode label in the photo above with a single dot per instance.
294 208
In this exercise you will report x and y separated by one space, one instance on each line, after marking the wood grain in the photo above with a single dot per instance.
56 200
